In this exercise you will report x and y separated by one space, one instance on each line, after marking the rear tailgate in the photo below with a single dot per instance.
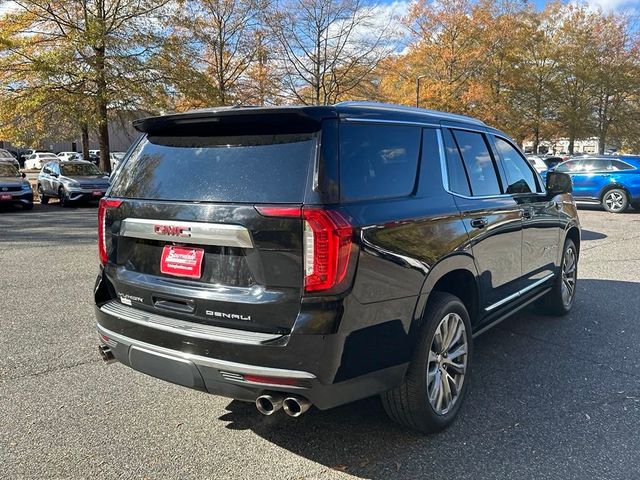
248 276
187 240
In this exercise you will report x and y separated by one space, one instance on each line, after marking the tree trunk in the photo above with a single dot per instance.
602 138
85 141
572 141
536 140
103 110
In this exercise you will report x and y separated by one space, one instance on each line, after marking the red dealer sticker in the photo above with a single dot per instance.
182 261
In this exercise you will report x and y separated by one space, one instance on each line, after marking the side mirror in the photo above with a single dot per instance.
558 183
24 175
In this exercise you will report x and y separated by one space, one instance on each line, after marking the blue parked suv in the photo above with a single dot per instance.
613 182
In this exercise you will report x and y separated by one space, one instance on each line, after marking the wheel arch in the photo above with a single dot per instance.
457 275
611 186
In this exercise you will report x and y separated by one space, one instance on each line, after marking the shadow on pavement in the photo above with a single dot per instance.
587 235
537 382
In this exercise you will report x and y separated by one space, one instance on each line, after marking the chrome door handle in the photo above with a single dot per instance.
479 222
558 206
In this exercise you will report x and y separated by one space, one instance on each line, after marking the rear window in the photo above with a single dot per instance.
79 169
243 169
378 161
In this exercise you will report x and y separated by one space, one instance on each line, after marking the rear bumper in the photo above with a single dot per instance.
309 362
82 195
17 198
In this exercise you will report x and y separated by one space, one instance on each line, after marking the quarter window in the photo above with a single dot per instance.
478 163
378 161
520 178
458 181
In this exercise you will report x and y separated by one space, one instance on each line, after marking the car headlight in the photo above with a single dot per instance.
26 186
71 183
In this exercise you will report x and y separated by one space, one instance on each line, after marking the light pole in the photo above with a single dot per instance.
418 78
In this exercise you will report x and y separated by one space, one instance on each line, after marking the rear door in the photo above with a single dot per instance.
492 219
189 239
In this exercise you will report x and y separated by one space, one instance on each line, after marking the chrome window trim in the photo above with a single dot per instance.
519 293
208 362
445 170
218 234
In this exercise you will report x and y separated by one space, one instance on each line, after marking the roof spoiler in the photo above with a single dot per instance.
236 120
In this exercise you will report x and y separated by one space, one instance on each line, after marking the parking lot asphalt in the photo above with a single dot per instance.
549 398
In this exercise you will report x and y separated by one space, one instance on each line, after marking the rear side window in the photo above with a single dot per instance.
458 181
520 178
478 162
618 165
243 169
378 161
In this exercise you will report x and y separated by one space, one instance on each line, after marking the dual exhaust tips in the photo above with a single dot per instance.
293 405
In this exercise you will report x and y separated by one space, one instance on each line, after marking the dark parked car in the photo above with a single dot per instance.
14 188
613 182
318 255
71 181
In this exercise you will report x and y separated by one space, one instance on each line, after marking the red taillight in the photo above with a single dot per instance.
105 203
327 244
270 380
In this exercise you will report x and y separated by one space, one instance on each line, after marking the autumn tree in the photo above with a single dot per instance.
213 46
95 51
326 48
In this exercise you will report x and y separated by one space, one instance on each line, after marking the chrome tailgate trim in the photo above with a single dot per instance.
219 234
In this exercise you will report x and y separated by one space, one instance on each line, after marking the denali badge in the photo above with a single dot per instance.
233 316
174 231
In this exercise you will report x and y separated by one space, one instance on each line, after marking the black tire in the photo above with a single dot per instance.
63 197
28 206
409 403
554 303
43 198
615 200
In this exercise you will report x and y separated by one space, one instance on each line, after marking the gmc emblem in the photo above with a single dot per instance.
171 230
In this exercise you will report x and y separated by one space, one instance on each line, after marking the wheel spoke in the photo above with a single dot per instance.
461 350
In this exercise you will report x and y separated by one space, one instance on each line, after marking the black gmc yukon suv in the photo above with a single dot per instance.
319 255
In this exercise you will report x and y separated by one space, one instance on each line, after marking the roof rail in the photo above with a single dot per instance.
408 109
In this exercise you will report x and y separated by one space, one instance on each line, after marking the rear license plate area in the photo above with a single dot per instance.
183 262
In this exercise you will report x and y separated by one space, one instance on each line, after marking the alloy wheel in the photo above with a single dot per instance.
614 201
569 275
447 363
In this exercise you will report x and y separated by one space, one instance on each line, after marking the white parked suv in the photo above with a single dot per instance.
67 156
36 160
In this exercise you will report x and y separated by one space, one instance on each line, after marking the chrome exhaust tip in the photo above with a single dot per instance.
268 404
295 406
106 354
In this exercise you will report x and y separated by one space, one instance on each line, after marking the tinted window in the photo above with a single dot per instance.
378 161
244 168
618 165
7 170
458 181
79 169
569 166
520 178
478 162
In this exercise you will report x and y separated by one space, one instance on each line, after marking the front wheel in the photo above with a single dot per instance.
436 382
615 200
559 300
43 198
63 197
